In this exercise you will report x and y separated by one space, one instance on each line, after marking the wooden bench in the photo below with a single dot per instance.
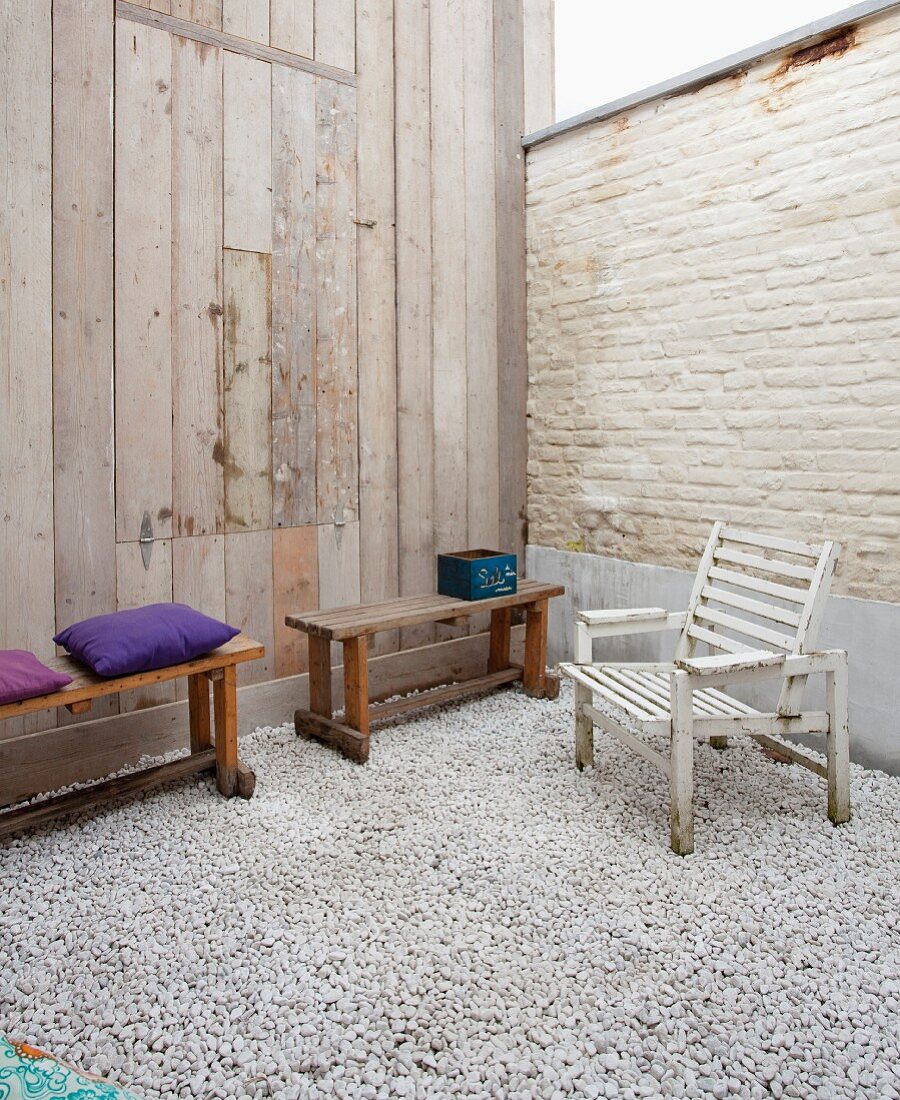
351 626
232 776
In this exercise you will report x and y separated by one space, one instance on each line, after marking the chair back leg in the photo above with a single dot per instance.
681 764
584 729
838 744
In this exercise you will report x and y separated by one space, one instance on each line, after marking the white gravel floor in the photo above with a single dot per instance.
466 916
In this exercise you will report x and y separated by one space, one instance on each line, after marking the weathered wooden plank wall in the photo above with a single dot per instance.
315 378
26 281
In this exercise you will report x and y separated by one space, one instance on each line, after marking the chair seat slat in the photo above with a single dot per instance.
639 702
704 704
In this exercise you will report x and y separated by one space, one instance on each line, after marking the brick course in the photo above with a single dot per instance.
714 318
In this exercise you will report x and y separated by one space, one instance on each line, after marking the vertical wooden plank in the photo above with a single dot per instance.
84 520
338 569
27 611
377 336
448 183
137 586
291 26
335 33
143 274
415 403
247 144
540 72
198 573
208 13
164 6
295 572
198 579
248 597
449 245
337 465
511 318
248 391
247 19
482 425
197 480
293 297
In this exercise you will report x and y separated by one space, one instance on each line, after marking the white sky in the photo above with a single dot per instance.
608 48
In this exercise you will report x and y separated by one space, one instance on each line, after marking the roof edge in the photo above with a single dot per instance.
727 66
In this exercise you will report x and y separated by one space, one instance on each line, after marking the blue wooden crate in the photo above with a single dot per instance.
476 574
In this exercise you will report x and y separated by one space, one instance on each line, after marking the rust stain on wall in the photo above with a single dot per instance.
835 46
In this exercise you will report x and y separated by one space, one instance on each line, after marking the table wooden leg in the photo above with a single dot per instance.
501 625
232 777
535 679
198 709
356 684
320 676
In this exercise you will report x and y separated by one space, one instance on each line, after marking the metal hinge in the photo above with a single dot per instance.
146 539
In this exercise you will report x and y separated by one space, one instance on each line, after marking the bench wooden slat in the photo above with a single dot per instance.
392 609
371 618
86 685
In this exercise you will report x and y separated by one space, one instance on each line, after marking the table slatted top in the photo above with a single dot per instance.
353 622
88 685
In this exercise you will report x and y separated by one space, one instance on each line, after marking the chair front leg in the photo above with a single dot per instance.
584 729
838 742
681 763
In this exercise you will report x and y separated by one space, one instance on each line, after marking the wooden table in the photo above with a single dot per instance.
351 626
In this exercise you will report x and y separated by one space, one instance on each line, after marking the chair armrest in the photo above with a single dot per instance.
634 620
622 615
758 664
732 662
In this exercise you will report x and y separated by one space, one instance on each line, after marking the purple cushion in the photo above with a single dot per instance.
22 676
145 638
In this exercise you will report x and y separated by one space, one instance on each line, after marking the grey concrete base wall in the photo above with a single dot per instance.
868 629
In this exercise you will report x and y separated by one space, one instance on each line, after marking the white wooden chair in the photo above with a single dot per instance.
757 604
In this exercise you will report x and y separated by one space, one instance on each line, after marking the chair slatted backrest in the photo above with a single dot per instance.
755 591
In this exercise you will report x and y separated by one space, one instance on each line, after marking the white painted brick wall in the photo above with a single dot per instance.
714 318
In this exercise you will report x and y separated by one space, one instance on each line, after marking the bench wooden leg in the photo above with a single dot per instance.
198 709
535 678
352 735
320 676
356 685
232 777
501 625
